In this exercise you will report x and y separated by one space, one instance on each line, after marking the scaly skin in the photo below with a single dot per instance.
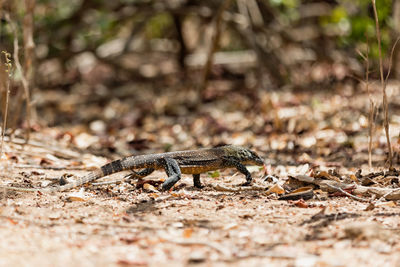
174 163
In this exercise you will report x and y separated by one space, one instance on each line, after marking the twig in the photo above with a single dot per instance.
119 181
383 84
242 188
391 59
54 168
387 194
348 194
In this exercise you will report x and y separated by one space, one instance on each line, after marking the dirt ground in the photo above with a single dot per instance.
118 225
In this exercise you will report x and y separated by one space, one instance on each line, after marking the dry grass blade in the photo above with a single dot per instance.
371 105
383 84
29 54
25 83
7 71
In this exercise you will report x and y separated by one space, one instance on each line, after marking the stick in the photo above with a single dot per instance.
348 194
213 47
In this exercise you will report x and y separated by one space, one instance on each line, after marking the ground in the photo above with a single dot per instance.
113 227
125 224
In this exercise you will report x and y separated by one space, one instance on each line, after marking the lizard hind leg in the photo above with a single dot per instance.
173 171
196 181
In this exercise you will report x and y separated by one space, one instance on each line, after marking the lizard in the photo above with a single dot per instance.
175 163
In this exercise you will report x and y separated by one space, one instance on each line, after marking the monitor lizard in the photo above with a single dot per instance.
174 163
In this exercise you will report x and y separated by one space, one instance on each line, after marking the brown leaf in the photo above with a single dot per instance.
300 203
277 189
187 232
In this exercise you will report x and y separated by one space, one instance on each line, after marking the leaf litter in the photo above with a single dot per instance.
316 202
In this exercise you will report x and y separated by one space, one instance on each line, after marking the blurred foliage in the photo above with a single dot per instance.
354 20
288 9
157 25
351 19
64 28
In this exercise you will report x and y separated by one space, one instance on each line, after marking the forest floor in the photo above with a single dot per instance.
306 139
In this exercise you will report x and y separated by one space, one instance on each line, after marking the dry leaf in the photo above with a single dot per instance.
386 204
150 188
77 196
277 189
187 232
353 178
300 203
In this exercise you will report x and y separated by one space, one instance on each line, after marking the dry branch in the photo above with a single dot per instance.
213 47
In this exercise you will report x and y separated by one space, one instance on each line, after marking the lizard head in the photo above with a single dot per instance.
244 155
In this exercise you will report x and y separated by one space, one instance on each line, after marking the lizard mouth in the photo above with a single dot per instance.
259 161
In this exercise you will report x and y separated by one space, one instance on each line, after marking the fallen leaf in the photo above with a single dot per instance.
301 204
276 189
353 178
150 188
12 221
54 216
77 196
386 204
132 263
303 193
187 232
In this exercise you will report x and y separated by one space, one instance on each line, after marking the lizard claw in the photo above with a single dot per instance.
166 186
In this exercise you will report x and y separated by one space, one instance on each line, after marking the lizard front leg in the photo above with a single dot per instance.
241 168
173 171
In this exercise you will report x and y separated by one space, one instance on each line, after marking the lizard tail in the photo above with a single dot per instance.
94 175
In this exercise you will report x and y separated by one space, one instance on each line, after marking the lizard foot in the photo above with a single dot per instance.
199 186
246 184
166 186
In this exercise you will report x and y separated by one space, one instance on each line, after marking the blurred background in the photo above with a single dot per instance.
130 75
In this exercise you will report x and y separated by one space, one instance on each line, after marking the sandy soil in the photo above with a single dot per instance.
119 225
